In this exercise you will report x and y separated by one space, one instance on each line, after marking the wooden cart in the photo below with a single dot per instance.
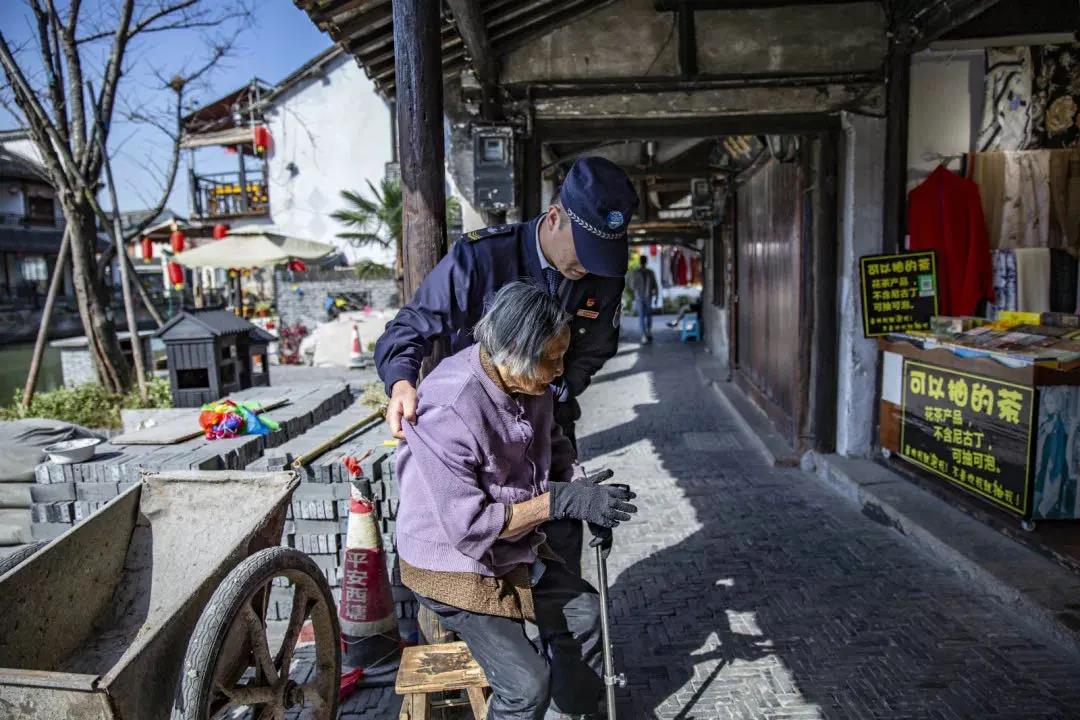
154 608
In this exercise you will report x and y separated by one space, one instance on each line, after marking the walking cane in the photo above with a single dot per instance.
603 549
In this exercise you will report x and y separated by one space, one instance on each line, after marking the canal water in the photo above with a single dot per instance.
15 362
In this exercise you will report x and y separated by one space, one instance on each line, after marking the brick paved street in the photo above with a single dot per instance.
745 591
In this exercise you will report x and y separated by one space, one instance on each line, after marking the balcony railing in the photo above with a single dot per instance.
221 195
25 221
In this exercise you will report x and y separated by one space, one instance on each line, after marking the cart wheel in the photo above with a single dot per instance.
1027 525
9 561
230 662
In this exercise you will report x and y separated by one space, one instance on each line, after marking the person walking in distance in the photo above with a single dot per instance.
643 285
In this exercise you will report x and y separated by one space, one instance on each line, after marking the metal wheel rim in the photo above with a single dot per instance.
270 694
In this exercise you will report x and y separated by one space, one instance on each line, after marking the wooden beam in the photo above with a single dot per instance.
897 97
469 20
673 5
680 127
419 103
938 18
687 41
619 86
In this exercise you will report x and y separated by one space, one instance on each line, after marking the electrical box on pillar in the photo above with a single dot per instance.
701 198
493 168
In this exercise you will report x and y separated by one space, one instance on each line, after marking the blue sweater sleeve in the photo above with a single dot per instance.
442 304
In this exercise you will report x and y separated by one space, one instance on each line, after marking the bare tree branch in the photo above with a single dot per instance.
75 84
107 99
174 165
198 17
37 120
56 93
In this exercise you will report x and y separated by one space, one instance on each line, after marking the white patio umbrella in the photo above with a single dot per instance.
253 246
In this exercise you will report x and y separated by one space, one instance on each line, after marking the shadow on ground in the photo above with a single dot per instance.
752 592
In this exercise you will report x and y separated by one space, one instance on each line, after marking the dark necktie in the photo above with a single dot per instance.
553 278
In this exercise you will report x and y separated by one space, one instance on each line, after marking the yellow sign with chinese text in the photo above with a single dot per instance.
972 430
899 292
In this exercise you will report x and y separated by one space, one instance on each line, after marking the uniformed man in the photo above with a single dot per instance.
577 249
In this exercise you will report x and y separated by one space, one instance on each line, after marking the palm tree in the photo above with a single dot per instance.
375 221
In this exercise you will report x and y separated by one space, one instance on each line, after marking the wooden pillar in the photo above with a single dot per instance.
898 93
419 102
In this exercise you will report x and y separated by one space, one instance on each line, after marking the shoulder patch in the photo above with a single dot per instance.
487 232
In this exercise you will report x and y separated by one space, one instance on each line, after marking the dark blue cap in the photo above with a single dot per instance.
599 198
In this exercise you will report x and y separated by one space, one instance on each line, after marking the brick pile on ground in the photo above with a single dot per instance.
318 517
66 494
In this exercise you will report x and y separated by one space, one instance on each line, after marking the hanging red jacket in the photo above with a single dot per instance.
945 214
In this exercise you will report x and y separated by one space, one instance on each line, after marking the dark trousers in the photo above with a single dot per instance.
523 681
565 536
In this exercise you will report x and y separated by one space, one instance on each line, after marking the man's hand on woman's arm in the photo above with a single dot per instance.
402 406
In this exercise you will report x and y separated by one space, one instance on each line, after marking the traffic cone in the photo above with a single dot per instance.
356 359
370 645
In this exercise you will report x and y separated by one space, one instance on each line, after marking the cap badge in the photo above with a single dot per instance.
615 219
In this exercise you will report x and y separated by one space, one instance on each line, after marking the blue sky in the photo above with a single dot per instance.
281 40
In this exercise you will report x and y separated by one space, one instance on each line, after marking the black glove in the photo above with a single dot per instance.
588 500
601 536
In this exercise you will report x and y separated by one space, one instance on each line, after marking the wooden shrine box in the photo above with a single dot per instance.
257 370
210 355
1006 435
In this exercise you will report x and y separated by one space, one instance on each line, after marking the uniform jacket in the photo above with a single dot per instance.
454 295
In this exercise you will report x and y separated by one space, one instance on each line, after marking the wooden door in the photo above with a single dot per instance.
769 271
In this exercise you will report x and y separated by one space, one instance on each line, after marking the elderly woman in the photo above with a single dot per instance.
480 471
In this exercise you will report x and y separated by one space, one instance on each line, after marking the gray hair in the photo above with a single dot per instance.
521 320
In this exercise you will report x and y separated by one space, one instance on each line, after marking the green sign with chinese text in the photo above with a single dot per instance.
972 430
899 292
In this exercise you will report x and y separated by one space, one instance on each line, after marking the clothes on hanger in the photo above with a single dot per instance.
1063 272
1010 110
945 214
1025 219
1004 264
987 170
1033 279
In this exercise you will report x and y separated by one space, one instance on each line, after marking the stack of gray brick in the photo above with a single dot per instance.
318 517
67 494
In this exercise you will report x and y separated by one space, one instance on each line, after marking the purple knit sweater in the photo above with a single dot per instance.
473 450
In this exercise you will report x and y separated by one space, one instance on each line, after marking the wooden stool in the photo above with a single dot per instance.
439 668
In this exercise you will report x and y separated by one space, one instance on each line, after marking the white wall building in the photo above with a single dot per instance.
329 132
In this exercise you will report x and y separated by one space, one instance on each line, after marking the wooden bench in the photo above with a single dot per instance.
445 667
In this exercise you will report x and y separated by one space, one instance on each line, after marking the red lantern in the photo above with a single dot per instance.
220 231
176 274
147 248
176 240
261 139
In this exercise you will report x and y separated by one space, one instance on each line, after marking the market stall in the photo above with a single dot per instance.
247 256
993 410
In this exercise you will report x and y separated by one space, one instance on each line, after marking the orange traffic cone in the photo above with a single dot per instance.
369 635
356 359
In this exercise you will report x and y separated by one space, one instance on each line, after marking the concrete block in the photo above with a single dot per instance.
52 492
93 492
